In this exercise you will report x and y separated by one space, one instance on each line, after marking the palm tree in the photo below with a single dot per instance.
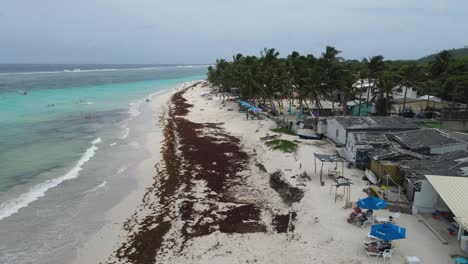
385 86
410 76
363 76
375 68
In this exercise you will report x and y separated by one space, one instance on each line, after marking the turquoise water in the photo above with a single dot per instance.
53 124
71 142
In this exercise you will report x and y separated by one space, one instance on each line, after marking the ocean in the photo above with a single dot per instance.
65 132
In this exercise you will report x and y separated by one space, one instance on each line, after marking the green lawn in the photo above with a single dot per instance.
282 145
432 124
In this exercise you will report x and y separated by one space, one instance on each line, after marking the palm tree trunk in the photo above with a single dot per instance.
427 104
404 99
387 105
367 100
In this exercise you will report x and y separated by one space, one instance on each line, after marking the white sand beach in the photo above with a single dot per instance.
321 233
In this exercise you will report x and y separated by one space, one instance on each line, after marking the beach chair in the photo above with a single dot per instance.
390 220
369 221
388 253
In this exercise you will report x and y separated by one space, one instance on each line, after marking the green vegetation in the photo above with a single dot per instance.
431 124
283 130
282 145
308 79
455 53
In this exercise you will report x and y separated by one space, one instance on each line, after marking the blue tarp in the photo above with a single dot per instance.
255 109
388 232
372 202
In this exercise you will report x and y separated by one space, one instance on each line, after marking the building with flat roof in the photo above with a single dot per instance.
339 128
428 141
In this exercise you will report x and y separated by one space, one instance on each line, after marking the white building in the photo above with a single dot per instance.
367 88
445 194
359 143
338 128
411 93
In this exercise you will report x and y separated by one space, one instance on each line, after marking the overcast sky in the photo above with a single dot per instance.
199 31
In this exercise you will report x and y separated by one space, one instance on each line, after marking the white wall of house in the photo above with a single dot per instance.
448 148
351 148
322 127
336 132
427 200
411 93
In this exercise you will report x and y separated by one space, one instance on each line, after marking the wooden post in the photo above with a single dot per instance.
315 164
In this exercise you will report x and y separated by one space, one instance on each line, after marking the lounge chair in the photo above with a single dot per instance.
389 219
387 252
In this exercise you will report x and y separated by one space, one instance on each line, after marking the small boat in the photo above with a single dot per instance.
317 137
308 134
370 176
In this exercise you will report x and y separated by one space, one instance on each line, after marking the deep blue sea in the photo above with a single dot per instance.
53 121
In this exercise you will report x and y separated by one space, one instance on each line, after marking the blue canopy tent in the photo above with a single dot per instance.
388 232
246 104
372 202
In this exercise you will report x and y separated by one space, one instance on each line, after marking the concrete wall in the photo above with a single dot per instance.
351 148
392 169
448 149
336 132
455 125
427 200
322 127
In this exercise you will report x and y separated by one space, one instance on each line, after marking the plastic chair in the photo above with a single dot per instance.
387 254
460 260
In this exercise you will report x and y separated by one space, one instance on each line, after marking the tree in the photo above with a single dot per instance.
375 67
385 86
410 76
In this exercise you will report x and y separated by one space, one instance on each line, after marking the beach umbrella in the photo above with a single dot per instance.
372 202
388 232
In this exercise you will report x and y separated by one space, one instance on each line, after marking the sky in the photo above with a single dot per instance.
200 31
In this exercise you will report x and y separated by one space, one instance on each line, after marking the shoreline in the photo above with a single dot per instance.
99 246
249 205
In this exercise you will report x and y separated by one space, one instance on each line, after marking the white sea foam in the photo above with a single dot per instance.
11 207
121 169
133 110
126 131
113 144
104 183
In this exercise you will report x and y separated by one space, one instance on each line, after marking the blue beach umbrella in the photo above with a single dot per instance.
372 202
388 232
